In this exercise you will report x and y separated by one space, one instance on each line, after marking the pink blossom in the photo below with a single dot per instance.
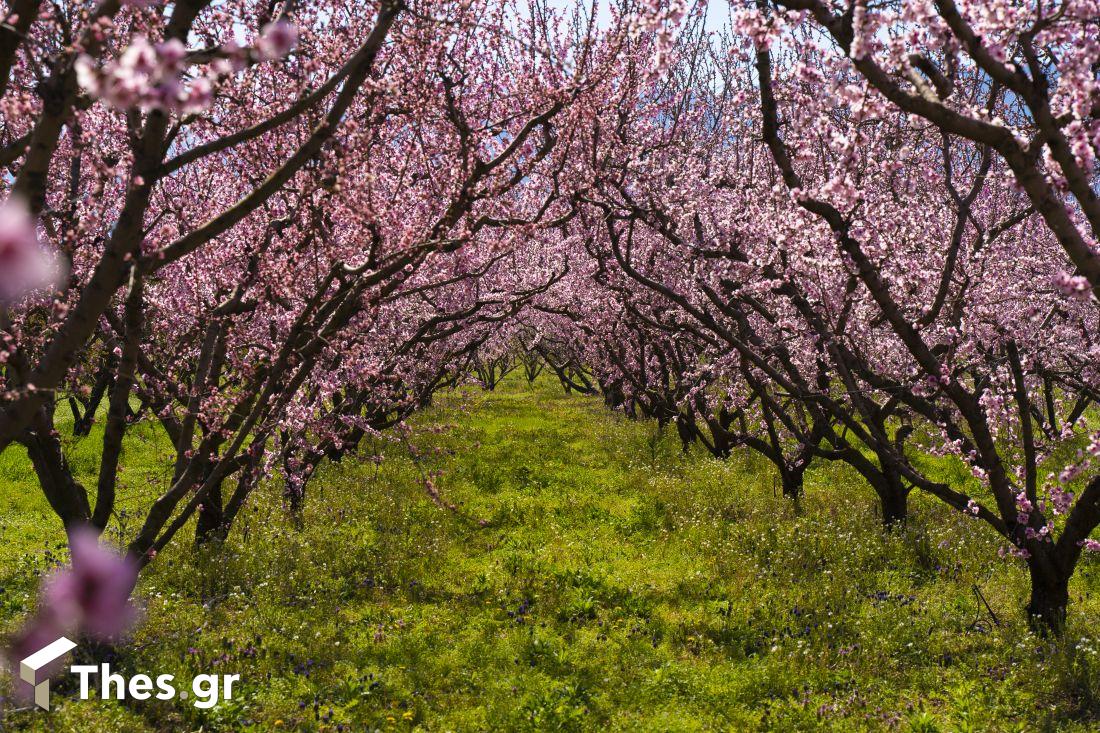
1061 499
146 76
87 76
25 265
1072 286
93 594
90 597
277 39
200 95
233 61
139 57
171 52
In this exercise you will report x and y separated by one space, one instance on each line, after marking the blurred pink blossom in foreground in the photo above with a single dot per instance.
25 263
91 598
93 595
1072 286
277 39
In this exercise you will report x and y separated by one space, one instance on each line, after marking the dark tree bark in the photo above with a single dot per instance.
791 481
84 414
211 515
1049 599
67 496
894 501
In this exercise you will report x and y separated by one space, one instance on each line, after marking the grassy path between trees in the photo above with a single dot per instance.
523 560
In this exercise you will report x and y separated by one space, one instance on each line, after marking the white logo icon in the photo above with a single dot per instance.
35 670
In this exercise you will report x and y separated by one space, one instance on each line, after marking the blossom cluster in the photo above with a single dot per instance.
156 75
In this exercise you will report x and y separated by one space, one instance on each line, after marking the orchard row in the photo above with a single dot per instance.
822 231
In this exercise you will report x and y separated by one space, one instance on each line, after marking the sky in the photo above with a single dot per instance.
718 11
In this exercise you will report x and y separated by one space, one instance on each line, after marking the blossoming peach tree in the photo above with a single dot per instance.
246 218
869 227
999 318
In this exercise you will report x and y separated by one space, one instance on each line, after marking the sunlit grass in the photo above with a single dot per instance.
591 576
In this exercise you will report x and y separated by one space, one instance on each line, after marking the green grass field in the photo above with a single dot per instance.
589 576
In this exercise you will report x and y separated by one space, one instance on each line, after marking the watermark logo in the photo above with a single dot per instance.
208 689
36 669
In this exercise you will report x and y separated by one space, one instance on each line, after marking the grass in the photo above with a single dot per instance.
590 575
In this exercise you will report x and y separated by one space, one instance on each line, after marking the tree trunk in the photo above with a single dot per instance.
895 506
613 396
82 425
211 518
685 429
66 495
217 524
1046 608
791 480
893 494
296 500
